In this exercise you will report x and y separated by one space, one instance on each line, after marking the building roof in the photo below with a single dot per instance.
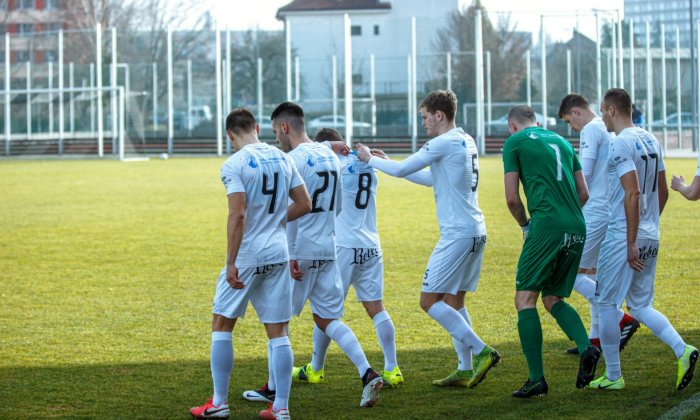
330 5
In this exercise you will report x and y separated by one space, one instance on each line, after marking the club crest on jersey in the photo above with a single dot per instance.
463 144
532 135
310 160
352 168
252 162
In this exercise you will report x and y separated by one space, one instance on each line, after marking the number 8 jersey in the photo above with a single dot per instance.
356 226
312 236
635 149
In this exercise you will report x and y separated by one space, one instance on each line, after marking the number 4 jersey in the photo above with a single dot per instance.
312 236
265 175
635 149
356 226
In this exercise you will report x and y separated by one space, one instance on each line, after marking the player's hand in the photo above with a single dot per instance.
633 257
232 277
363 152
677 183
379 153
340 147
295 271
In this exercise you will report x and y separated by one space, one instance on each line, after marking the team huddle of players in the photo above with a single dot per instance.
308 212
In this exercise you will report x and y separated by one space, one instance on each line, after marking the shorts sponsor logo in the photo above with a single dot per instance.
362 255
648 252
264 269
479 243
571 239
318 263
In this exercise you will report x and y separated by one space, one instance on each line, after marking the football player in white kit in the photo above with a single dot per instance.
627 265
455 263
359 258
259 179
593 154
690 192
312 246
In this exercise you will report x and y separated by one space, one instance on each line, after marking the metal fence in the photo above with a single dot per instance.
61 90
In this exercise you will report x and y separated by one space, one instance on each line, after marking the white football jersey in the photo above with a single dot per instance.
698 172
635 149
595 142
265 175
454 168
312 236
356 226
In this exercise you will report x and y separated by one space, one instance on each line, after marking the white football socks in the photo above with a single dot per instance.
321 342
464 353
610 340
343 335
221 364
282 364
458 328
661 327
387 338
585 286
270 373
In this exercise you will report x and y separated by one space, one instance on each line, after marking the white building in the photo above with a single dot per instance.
382 28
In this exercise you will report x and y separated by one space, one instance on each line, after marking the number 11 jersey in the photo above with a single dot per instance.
635 149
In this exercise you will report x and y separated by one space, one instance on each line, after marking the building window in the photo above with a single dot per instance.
52 4
356 30
357 79
26 4
3 4
50 55
22 56
376 29
24 29
52 27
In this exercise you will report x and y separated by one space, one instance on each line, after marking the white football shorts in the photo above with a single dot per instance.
595 233
321 286
363 268
617 280
454 265
267 287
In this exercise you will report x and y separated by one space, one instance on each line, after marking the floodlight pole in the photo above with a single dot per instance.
71 106
29 99
528 77
620 48
414 87
288 44
260 89
60 93
334 90
448 66
100 105
544 73
50 80
663 85
632 81
693 78
113 93
348 81
219 99
650 81
171 123
372 94
154 67
8 120
479 50
678 86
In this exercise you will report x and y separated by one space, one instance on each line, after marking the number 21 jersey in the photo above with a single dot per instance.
312 236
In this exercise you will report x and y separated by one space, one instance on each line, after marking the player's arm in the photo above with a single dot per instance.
234 232
630 185
513 200
413 163
663 191
337 146
690 192
581 187
422 177
301 203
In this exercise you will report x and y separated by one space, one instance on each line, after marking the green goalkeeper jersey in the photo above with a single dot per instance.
546 163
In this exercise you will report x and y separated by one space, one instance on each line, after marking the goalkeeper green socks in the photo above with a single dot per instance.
530 331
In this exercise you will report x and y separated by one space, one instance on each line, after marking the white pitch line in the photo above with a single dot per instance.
683 409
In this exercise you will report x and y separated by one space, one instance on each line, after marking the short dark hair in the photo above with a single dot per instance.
290 112
441 100
619 99
572 100
328 134
522 114
240 121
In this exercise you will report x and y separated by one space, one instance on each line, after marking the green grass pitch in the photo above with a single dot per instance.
108 269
